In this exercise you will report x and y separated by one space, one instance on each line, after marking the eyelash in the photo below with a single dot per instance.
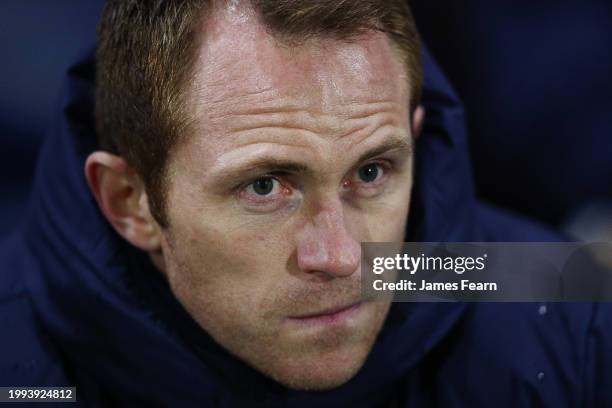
285 190
387 167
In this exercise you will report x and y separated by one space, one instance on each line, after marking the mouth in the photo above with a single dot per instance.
331 315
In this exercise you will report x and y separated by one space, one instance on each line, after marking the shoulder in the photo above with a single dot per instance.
26 357
520 353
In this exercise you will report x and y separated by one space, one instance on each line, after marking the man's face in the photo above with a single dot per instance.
300 153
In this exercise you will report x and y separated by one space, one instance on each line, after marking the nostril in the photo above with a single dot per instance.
349 256
312 255
335 257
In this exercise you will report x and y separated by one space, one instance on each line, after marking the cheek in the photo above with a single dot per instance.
386 220
224 277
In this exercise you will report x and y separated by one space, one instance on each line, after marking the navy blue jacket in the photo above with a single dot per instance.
80 307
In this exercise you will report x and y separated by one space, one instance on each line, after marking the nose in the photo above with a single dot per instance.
325 245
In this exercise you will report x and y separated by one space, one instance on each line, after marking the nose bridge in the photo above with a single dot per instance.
326 244
330 218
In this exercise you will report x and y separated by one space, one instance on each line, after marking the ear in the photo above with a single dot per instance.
418 120
123 200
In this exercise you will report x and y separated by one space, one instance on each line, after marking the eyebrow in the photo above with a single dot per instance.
395 143
267 164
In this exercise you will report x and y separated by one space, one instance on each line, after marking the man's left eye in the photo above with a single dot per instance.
370 173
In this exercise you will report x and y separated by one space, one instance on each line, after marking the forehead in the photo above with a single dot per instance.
240 64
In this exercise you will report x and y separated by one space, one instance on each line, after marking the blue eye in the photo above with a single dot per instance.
369 173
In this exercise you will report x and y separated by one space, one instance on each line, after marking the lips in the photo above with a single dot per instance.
332 312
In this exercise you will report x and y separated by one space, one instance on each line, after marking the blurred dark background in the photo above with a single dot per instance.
534 76
38 41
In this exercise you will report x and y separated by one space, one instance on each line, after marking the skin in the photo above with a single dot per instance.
245 265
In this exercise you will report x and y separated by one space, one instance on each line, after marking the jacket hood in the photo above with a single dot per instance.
119 330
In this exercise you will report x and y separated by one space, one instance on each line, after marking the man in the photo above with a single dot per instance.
245 150
229 174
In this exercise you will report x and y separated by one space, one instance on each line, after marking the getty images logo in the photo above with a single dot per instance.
412 264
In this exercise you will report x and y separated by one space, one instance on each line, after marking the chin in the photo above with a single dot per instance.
320 373
325 358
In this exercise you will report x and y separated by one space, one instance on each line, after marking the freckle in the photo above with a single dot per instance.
261 238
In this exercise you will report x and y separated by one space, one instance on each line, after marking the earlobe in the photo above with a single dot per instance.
122 198
418 120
